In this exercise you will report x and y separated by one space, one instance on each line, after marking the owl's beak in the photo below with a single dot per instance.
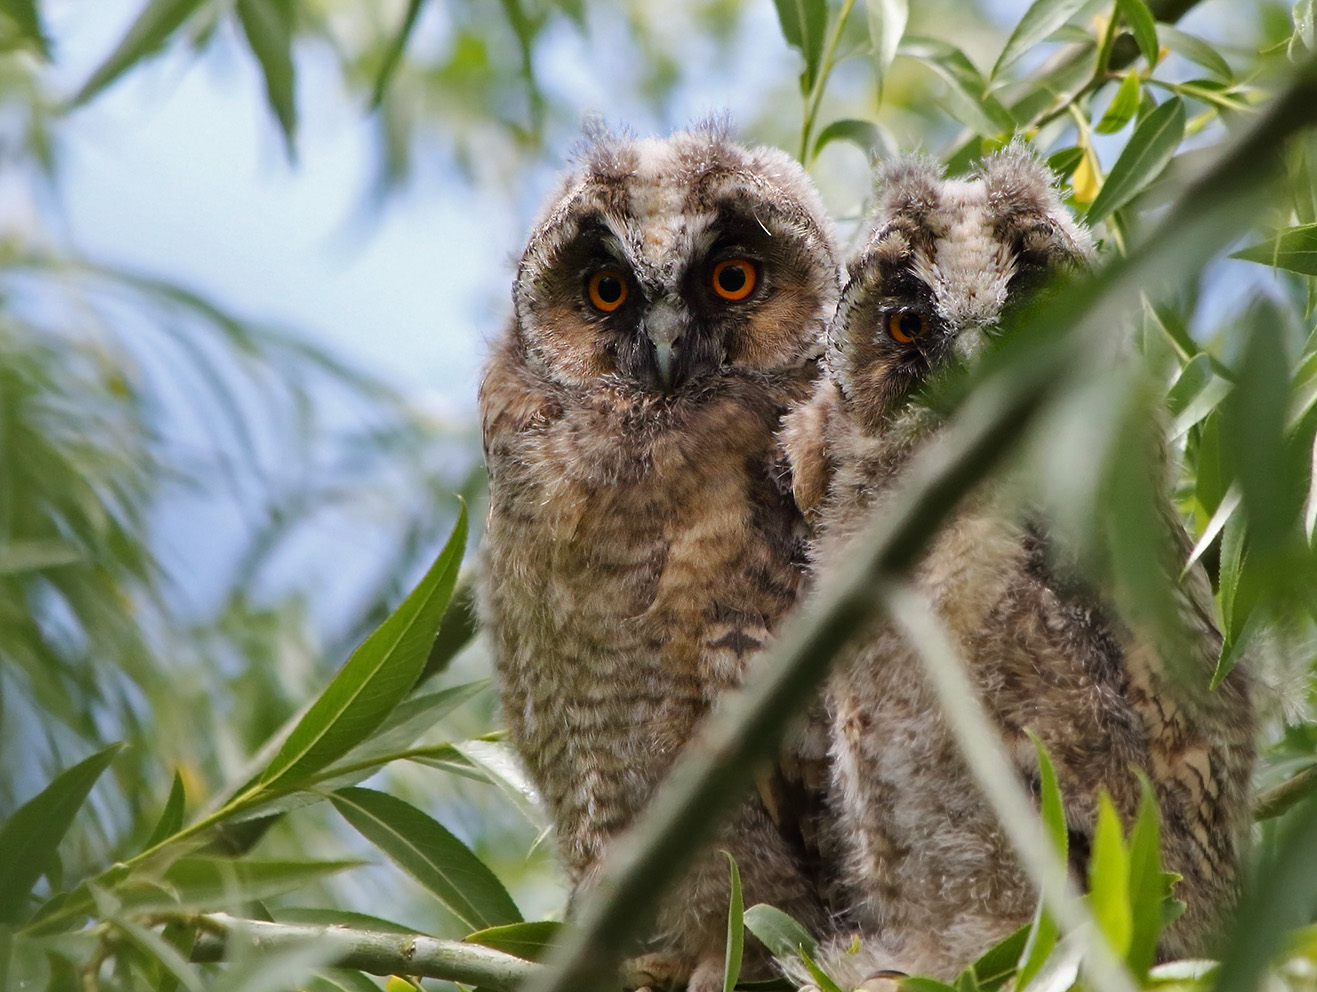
664 327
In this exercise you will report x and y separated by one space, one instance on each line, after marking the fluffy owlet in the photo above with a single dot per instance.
932 879
642 541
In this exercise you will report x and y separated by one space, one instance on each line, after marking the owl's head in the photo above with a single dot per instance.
946 261
660 264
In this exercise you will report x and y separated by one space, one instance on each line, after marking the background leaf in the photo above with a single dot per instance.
31 836
375 679
1149 150
1041 19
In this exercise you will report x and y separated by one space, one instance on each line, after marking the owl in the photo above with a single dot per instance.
643 542
931 880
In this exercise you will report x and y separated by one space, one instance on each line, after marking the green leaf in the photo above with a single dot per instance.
1142 26
777 931
1197 391
527 941
804 22
996 966
1150 148
412 718
1039 21
429 853
148 33
860 133
269 27
918 983
1042 934
1279 897
497 763
203 882
887 20
1066 161
171 819
375 679
968 99
1108 878
821 979
26 17
30 837
1254 431
1196 51
1147 886
397 46
735 927
1124 105
1293 249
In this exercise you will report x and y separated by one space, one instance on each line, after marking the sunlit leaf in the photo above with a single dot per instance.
1040 20
1147 885
1141 24
1123 105
1142 160
821 979
887 20
1108 879
203 882
525 940
1294 248
269 25
375 679
158 20
428 852
31 836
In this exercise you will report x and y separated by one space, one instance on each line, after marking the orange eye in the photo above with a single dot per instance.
906 325
734 279
607 290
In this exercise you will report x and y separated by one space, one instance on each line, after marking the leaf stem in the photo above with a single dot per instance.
815 97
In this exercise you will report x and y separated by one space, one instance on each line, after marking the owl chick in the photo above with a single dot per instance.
642 543
933 881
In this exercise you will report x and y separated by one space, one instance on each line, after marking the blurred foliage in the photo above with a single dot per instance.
162 765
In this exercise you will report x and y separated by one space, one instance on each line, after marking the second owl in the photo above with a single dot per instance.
932 880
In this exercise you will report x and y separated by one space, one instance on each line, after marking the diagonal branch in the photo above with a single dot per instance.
712 774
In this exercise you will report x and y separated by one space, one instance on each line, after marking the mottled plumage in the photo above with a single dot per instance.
642 541
931 879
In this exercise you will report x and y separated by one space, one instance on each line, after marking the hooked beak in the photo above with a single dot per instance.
663 327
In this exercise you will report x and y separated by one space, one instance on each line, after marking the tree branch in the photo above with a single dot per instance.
370 951
714 771
1279 799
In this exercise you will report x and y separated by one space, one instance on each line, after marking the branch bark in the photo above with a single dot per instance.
370 951
713 773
